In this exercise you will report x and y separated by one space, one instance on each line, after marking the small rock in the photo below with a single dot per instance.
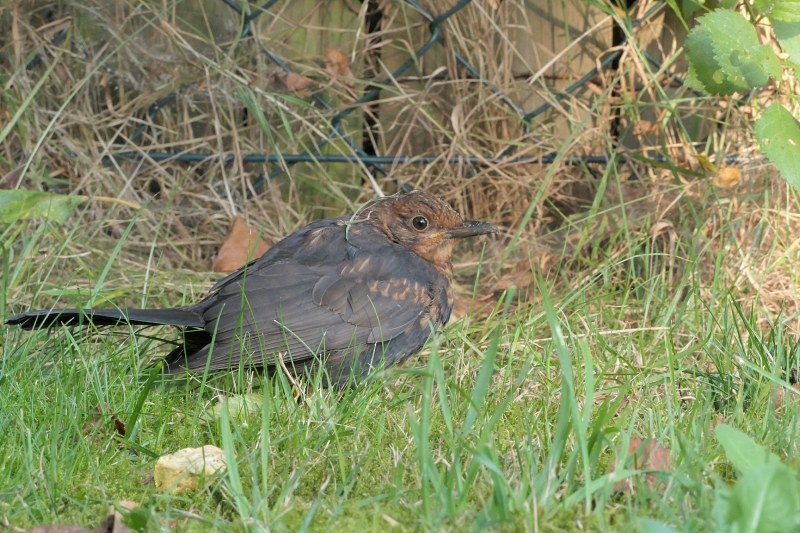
189 469
119 520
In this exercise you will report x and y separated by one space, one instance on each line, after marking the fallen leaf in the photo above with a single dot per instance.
336 65
494 3
189 469
652 456
727 177
119 426
98 425
643 128
520 277
291 82
241 244
784 398
461 307
11 179
719 419
297 82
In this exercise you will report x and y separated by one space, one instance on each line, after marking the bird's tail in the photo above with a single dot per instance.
45 318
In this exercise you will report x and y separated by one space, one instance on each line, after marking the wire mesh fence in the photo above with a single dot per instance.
210 100
435 25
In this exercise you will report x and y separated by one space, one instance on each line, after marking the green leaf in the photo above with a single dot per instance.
788 34
721 509
743 451
778 134
765 500
743 59
240 407
137 518
689 8
19 204
764 6
785 11
647 525
725 55
705 73
764 57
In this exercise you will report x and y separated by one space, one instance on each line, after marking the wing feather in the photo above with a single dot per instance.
303 301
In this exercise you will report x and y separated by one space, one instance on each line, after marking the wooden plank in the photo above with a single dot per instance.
509 47
299 32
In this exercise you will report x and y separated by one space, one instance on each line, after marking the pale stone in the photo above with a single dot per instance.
186 469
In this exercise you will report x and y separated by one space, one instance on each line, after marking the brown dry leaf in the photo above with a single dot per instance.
461 307
11 179
494 3
290 82
719 419
521 276
643 128
119 426
465 306
98 427
727 177
336 65
336 62
297 82
240 244
652 456
786 399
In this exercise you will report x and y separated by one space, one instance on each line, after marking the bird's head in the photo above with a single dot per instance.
424 224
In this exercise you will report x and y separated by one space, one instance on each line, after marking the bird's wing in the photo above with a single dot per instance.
377 291
282 251
318 301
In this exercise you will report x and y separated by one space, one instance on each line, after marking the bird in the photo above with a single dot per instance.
348 295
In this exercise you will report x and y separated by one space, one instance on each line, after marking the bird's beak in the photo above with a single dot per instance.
470 228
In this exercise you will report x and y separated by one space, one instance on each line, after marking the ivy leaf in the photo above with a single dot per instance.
778 134
18 204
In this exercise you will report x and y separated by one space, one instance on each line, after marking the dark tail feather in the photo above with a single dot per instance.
45 318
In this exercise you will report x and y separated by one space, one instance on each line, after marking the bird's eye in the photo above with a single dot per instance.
420 223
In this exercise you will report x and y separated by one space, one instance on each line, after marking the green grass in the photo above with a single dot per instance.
508 423
673 309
